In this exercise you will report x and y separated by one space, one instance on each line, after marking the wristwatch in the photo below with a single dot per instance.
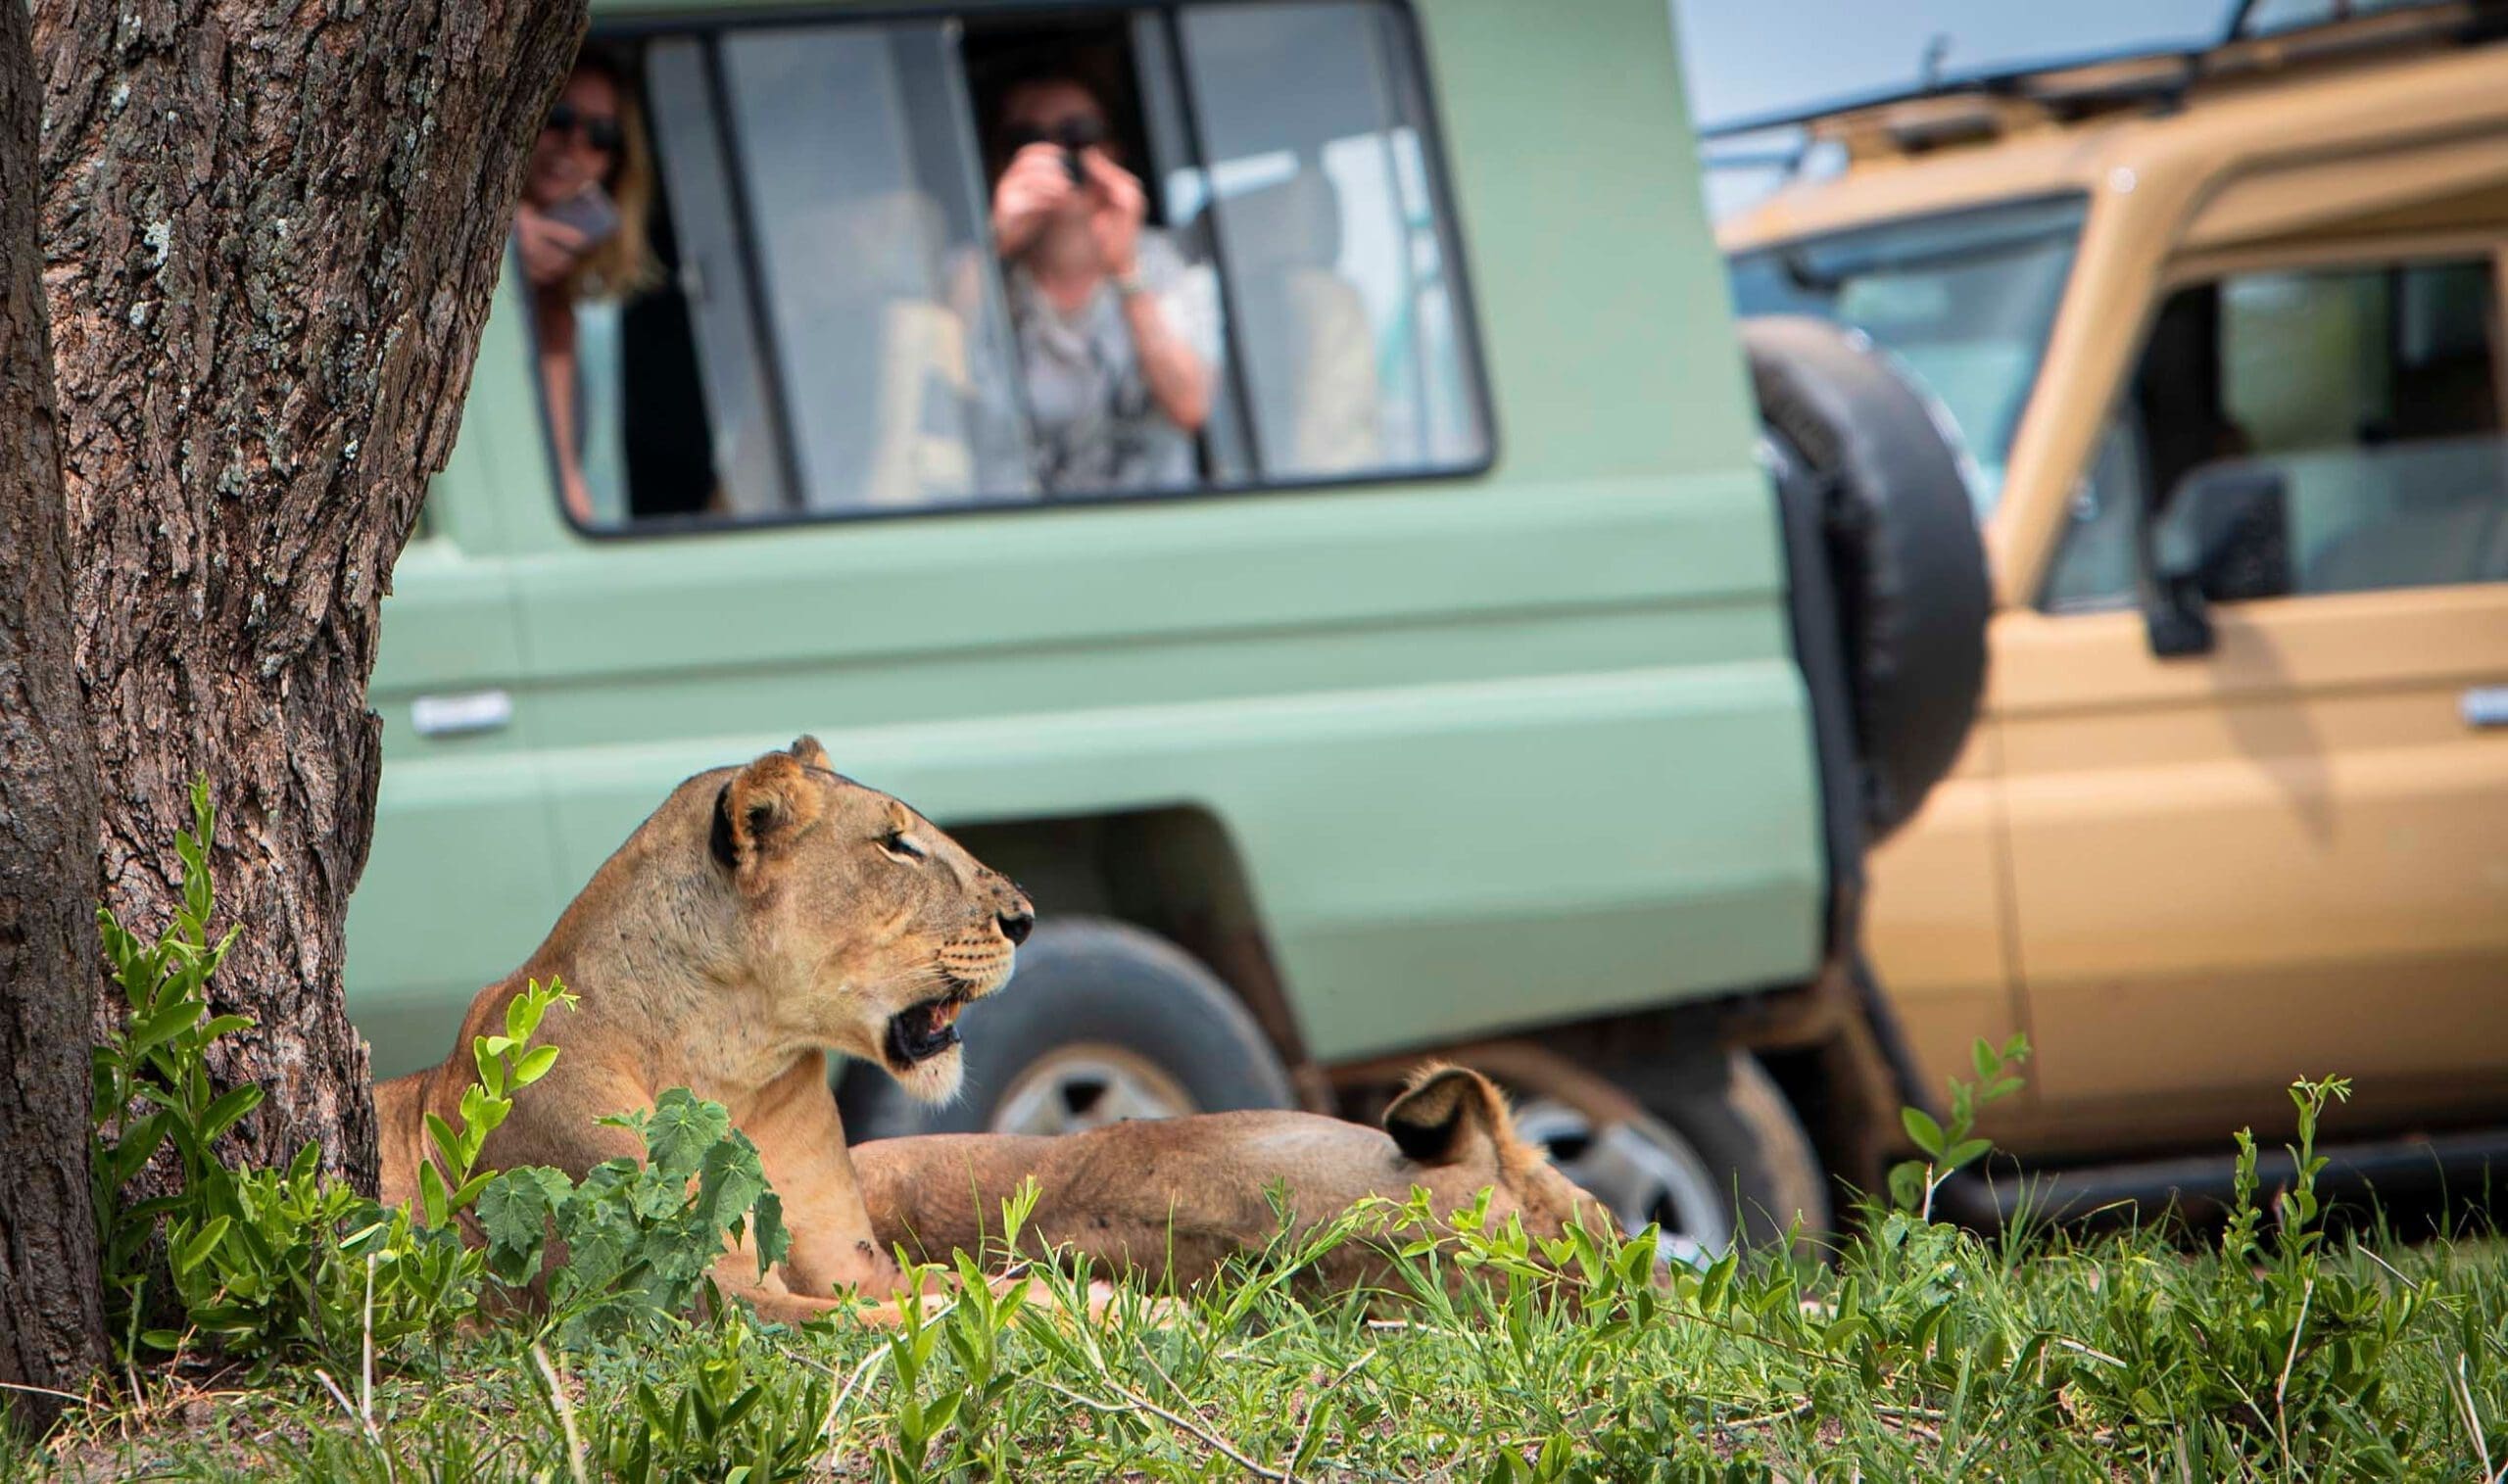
1131 285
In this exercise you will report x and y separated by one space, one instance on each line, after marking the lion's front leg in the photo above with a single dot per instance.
801 1140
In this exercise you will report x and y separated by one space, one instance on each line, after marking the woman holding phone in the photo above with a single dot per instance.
579 231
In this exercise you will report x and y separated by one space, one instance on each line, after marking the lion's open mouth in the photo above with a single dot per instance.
922 1031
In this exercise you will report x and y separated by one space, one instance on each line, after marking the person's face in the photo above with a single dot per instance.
578 144
1043 110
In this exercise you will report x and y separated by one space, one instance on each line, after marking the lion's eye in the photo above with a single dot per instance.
902 845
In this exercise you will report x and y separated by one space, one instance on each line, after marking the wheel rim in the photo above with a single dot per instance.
1073 1089
1643 1172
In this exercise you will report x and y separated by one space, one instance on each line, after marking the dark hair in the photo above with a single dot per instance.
1049 70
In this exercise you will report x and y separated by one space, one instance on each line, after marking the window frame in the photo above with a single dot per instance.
1441 185
2334 256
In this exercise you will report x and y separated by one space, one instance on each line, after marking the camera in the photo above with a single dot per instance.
1074 135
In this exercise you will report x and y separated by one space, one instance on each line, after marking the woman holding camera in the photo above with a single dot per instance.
579 231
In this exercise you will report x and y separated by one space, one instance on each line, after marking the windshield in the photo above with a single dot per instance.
1964 301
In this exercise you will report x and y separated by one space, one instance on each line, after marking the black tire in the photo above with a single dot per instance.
1083 986
1732 1116
1900 543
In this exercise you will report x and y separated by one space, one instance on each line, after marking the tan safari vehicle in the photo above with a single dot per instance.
2222 334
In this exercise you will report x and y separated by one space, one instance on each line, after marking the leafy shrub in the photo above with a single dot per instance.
150 1079
260 1262
639 1239
2272 1353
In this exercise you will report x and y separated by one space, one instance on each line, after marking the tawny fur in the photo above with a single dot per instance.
1175 1199
735 981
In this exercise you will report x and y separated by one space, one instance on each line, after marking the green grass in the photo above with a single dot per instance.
1923 1352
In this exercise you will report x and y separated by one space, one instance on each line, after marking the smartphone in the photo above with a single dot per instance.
590 211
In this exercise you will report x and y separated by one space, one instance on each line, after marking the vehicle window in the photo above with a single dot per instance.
1350 325
1965 302
855 150
2369 398
994 261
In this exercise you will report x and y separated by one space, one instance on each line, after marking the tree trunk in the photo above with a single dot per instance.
271 233
51 1319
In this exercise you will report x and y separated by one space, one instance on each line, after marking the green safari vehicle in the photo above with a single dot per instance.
1495 683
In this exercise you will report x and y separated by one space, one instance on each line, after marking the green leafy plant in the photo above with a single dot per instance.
1950 1148
2278 1349
151 1081
264 1263
271 1262
507 1063
640 1238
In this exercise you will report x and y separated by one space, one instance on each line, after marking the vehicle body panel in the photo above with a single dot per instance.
2289 859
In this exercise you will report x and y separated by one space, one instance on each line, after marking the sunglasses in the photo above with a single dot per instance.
1075 134
598 130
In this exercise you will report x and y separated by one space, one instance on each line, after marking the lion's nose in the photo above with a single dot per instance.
1015 925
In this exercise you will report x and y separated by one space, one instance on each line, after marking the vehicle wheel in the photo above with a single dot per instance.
1722 1144
1102 1023
1900 543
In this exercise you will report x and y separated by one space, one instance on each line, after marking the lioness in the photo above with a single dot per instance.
766 915
1175 1199
760 918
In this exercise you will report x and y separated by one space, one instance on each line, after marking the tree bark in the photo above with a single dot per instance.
272 234
51 1319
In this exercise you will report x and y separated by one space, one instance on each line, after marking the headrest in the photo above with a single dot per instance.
1289 223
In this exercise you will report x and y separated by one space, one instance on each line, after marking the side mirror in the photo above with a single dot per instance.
2225 538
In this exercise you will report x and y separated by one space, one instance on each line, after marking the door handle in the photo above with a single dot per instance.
461 714
2486 706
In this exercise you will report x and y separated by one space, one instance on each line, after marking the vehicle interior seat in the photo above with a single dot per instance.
2434 496
1310 348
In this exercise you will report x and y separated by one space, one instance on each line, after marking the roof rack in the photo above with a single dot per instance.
1963 107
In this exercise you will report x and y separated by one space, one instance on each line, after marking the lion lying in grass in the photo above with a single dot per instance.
769 914
1173 1200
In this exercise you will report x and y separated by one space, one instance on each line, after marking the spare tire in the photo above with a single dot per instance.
1897 538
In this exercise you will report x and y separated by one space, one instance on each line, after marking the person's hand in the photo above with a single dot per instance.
1121 206
577 495
1029 192
550 248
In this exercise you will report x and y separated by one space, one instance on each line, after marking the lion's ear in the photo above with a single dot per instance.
805 750
772 801
1451 1115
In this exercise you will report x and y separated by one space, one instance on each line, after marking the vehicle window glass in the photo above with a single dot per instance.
1350 328
842 321
736 454
855 150
2368 397
2099 565
1965 302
